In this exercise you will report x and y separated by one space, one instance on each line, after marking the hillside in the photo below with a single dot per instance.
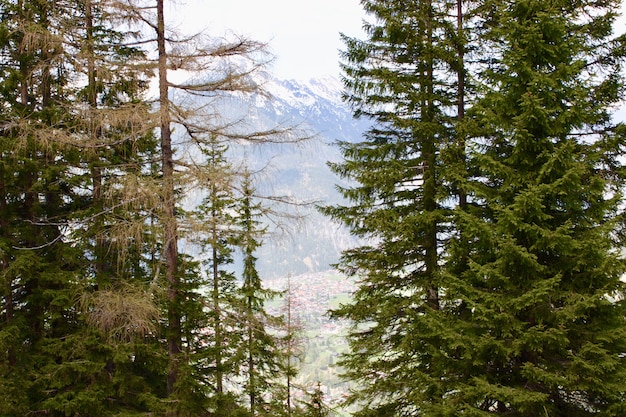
307 254
304 249
322 339
315 109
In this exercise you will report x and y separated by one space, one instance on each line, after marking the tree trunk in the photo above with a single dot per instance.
100 262
461 96
219 374
251 381
430 162
169 215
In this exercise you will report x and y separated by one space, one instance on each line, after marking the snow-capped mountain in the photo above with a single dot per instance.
316 109
297 171
316 103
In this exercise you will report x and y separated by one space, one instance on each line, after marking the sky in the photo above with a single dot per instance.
302 34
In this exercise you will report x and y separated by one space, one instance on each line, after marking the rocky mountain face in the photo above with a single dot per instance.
314 109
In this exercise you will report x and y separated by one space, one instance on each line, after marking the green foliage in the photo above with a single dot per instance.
101 313
265 361
52 360
518 310
540 289
399 78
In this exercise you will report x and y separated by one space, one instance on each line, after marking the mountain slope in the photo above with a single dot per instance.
315 108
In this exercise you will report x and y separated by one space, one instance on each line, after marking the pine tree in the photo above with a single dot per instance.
51 264
115 132
119 301
218 230
538 313
314 406
211 76
40 267
264 359
404 78
490 277
90 215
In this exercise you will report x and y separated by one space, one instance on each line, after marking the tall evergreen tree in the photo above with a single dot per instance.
40 266
538 315
219 233
292 345
209 60
264 360
90 214
83 128
521 312
404 78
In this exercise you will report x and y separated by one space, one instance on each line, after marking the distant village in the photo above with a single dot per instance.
313 294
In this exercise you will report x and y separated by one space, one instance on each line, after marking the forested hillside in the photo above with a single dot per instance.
151 180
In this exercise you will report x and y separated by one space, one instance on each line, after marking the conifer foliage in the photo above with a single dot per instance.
404 79
102 312
543 321
521 311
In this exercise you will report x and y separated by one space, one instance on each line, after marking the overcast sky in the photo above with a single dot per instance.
302 34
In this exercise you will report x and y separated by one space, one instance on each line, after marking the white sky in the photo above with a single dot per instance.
302 34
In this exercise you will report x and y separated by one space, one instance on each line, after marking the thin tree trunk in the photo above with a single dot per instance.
462 263
461 96
251 380
429 155
219 374
290 344
169 215
96 171
4 263
293 328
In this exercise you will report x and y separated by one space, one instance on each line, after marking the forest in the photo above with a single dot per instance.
118 291
487 197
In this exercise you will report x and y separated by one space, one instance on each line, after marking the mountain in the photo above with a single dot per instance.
302 243
313 108
300 239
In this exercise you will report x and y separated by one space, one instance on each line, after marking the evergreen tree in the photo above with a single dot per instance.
314 406
264 361
404 78
90 215
538 315
62 125
491 286
40 268
292 344
219 233
213 75
113 129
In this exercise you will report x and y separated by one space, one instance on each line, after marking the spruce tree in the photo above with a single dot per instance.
40 268
518 310
404 79
218 235
62 123
213 75
264 360
315 406
90 210
538 315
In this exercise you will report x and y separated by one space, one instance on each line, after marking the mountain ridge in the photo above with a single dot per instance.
316 108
